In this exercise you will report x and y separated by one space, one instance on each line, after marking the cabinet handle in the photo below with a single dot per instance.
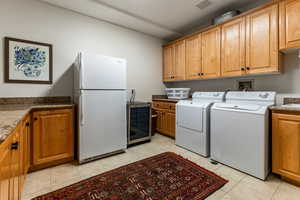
27 124
243 69
199 74
14 146
248 68
202 74
35 118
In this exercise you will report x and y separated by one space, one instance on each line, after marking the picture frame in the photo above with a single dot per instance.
27 61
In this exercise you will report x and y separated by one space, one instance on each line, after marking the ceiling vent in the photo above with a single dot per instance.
203 4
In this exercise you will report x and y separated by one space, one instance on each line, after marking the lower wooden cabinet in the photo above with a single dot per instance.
166 117
286 145
53 137
12 165
5 169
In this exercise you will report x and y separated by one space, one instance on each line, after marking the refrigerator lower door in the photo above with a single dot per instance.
102 123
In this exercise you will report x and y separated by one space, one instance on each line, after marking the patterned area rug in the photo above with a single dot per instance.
166 176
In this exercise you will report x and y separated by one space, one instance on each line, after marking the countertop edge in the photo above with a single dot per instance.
287 109
9 128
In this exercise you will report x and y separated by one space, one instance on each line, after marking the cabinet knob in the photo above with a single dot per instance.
248 68
243 69
199 74
202 74
27 124
35 118
14 146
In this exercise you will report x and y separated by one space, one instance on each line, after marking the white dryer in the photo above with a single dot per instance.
193 121
240 132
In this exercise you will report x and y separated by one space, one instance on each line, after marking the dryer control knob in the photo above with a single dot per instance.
264 95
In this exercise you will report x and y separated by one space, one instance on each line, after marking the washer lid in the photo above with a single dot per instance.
249 107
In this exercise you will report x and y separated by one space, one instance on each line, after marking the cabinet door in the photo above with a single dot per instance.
193 57
170 123
286 145
15 166
159 122
52 136
289 24
26 144
233 53
211 53
179 61
5 169
168 61
262 41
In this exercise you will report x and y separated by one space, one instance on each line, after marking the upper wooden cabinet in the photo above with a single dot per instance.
193 57
289 24
233 53
247 44
168 56
52 137
179 60
174 61
286 145
211 53
262 52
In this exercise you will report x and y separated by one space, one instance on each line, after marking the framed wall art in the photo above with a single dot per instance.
27 61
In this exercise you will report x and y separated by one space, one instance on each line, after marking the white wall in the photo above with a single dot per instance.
285 84
69 33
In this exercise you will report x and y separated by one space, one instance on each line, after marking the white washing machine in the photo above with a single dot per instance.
240 132
193 119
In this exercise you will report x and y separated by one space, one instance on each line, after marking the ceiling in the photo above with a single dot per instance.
166 19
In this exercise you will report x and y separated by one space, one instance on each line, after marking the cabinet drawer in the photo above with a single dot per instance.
160 105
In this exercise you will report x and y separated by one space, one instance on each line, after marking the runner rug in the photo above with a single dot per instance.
166 176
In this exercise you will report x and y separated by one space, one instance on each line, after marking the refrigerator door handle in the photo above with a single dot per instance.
81 71
81 109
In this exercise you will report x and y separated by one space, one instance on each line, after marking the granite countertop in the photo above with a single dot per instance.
165 98
169 100
12 114
285 108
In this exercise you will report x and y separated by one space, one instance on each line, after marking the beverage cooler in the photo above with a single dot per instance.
138 122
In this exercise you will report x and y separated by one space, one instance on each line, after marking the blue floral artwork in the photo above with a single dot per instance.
29 60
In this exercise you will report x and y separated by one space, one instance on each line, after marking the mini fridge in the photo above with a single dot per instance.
138 122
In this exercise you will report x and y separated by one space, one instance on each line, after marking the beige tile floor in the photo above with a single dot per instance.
240 186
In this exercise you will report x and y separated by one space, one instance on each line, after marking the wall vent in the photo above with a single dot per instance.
203 4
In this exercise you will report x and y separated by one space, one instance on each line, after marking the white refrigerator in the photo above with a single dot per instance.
100 96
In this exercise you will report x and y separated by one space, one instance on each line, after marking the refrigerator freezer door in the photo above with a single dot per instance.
102 126
102 72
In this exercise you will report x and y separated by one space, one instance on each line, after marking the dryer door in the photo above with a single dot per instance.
190 117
